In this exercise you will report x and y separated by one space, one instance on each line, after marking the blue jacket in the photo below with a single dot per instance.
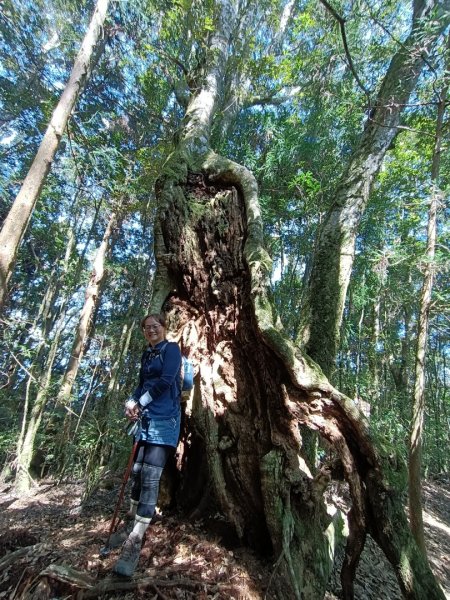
161 379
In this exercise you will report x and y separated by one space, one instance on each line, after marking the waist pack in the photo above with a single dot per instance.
186 371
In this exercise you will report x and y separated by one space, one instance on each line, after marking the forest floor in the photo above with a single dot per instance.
49 549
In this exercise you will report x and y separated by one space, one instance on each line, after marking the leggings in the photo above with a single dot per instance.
147 470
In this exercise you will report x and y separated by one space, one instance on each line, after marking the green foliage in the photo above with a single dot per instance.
379 340
119 137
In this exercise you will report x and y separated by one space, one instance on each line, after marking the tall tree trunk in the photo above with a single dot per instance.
87 318
109 402
42 370
44 319
84 323
26 444
16 222
373 354
415 444
321 314
255 391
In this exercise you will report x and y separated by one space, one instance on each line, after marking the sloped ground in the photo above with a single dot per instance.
49 549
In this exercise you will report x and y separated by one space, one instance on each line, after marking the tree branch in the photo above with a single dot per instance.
341 22
171 58
380 24
21 365
402 127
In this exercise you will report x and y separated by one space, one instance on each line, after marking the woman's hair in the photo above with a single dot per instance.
159 317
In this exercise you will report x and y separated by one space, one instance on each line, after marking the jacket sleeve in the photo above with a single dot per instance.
170 370
138 391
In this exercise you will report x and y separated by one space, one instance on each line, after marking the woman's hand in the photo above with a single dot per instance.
132 410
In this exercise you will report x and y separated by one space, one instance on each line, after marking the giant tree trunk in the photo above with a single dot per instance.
255 391
16 222
415 447
323 306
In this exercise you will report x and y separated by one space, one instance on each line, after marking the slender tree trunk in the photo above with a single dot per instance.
110 400
108 403
84 323
45 318
16 222
87 318
256 392
373 354
358 355
89 390
415 444
333 258
26 447
51 310
52 320
134 311
31 420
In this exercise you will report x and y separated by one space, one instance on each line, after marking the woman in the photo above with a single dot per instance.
156 403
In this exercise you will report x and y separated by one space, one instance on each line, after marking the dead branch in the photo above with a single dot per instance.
91 589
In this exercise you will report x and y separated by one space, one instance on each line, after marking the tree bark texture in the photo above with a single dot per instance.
415 445
323 306
17 220
255 392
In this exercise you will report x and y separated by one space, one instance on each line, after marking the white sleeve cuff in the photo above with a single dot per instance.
145 400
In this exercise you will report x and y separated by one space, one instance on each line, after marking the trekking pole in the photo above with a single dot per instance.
106 549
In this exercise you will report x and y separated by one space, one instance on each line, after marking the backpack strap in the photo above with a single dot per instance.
162 352
161 356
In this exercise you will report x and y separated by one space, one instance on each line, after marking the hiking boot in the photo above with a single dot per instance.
117 538
129 557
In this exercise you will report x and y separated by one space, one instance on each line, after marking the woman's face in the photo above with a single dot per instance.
154 332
